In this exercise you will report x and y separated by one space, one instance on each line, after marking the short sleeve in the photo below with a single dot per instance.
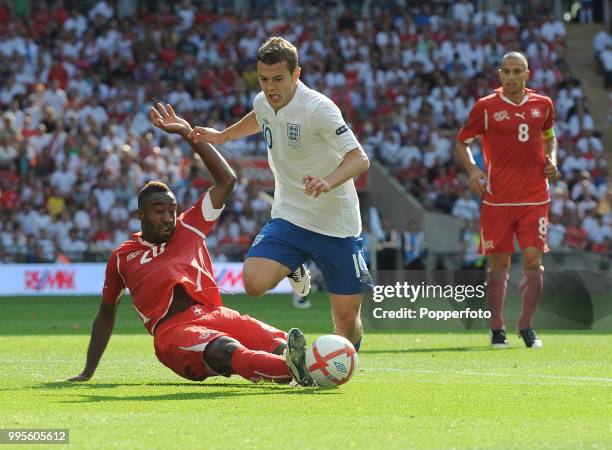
114 285
475 125
202 215
257 106
326 120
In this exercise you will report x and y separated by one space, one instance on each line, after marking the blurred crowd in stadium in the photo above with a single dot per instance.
75 87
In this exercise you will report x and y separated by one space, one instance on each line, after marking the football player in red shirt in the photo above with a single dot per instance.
520 154
169 273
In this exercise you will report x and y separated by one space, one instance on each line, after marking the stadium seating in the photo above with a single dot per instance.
76 145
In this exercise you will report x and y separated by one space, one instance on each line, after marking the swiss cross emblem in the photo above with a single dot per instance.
535 112
501 115
294 134
197 310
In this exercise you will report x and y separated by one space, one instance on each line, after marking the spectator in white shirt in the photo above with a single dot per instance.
589 143
73 246
105 197
556 233
551 29
462 12
63 179
466 207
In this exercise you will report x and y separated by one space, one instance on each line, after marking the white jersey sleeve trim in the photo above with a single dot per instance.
209 212
195 348
516 204
162 316
195 230
119 271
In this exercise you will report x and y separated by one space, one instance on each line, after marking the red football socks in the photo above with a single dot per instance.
497 283
256 366
531 289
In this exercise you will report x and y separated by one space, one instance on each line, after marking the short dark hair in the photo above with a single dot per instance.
278 49
151 188
515 55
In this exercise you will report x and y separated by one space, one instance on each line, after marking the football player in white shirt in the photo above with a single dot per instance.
315 215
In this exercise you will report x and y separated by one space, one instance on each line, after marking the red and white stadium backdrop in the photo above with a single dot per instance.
259 169
87 279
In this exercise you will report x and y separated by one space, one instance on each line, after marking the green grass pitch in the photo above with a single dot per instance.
413 389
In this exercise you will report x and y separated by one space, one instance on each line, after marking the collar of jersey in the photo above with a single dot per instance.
525 99
138 238
298 90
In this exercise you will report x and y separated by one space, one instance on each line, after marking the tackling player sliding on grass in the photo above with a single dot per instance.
169 273
520 155
315 215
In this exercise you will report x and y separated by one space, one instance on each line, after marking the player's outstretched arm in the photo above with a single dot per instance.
224 177
101 332
477 177
244 127
355 162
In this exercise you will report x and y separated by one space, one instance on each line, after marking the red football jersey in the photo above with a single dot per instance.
513 146
152 271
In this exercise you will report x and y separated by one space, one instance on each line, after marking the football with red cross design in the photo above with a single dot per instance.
331 360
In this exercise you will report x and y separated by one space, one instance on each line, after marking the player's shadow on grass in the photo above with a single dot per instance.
235 390
204 391
435 350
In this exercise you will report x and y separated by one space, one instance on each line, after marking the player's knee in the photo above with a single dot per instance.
532 262
499 263
346 323
253 286
218 354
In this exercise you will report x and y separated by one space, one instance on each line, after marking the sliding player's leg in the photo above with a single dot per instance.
195 349
226 356
260 345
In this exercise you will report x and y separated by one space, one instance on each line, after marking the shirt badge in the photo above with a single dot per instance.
501 115
133 255
535 112
294 135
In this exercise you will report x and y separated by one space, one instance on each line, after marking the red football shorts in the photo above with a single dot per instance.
180 341
499 225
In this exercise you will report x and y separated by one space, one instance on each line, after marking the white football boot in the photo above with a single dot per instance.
300 280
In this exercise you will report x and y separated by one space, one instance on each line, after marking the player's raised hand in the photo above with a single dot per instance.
164 118
550 169
477 181
207 134
314 186
80 378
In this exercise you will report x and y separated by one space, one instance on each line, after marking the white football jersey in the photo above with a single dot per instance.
308 136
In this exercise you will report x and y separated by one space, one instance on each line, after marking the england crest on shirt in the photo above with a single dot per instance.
294 135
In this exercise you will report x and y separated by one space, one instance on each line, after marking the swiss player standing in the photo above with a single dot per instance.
169 273
520 155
